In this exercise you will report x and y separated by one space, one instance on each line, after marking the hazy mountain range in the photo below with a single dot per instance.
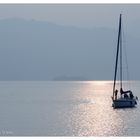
39 50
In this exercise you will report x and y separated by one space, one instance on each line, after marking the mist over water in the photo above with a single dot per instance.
54 108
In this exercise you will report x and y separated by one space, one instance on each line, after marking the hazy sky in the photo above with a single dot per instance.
34 50
81 15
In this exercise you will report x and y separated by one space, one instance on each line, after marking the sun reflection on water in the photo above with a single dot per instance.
94 115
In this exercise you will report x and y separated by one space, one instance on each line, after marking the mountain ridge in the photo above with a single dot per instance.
39 50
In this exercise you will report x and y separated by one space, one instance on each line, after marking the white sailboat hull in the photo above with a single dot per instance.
123 103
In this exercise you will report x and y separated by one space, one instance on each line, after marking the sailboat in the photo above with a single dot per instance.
126 98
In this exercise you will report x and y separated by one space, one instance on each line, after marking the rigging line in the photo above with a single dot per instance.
126 60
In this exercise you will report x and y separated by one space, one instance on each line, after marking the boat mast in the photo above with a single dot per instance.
121 54
117 53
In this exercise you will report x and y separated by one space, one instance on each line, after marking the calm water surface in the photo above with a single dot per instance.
42 108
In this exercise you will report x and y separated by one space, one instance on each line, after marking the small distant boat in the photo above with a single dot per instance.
126 98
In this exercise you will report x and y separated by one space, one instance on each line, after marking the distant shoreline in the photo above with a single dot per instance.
70 78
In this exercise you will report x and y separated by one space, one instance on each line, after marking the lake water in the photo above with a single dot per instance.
47 108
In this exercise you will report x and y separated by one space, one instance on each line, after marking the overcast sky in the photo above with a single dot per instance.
81 15
39 50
